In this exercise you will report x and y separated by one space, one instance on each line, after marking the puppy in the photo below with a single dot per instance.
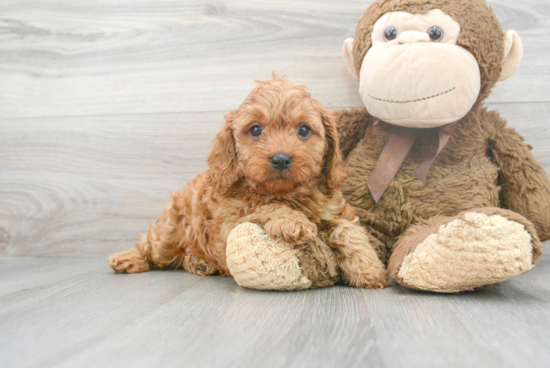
275 163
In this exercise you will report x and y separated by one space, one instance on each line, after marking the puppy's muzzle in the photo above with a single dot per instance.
281 161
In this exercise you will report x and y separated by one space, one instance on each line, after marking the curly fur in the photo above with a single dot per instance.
294 206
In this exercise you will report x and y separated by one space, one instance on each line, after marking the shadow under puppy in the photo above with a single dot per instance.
268 210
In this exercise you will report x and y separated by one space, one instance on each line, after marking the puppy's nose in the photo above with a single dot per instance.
281 161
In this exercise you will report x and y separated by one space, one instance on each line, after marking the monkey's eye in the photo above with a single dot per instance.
304 131
390 33
435 33
256 130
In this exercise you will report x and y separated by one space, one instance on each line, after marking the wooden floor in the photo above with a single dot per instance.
74 312
108 105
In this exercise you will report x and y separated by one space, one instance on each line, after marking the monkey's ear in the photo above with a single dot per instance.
333 166
513 52
347 53
222 161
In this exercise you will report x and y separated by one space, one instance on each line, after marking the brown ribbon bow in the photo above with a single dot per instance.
395 152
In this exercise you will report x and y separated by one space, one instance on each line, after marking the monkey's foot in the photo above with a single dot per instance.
256 261
471 250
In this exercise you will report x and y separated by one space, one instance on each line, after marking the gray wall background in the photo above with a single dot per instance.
108 105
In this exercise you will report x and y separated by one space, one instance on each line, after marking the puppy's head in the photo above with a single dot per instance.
278 140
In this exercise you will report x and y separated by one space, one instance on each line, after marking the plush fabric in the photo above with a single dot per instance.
496 168
464 252
416 78
258 262
485 165
468 253
481 33
513 51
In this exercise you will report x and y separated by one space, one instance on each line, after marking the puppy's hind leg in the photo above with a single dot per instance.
194 264
160 248
130 261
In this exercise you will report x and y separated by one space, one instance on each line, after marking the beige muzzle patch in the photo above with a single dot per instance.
412 80
419 84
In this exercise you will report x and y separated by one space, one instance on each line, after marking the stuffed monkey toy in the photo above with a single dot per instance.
454 197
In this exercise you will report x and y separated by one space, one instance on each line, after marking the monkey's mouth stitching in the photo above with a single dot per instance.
420 99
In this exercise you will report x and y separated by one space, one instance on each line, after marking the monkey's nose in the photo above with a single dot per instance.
413 37
281 161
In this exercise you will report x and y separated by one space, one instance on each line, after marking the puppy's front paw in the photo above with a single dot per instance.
373 277
291 231
363 269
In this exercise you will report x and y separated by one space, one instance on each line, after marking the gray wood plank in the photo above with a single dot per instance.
36 272
97 125
79 186
102 57
174 319
531 121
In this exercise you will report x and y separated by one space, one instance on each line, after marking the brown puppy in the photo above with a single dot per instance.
276 163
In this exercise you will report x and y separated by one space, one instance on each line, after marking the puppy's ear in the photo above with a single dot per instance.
333 167
222 161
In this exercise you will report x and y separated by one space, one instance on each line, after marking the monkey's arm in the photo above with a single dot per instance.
351 125
525 185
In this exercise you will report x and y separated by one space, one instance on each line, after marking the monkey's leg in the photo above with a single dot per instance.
257 261
477 248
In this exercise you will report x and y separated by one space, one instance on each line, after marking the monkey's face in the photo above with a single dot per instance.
415 74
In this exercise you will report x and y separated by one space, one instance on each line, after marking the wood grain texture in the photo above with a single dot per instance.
94 318
90 185
95 101
78 186
108 105
28 273
103 57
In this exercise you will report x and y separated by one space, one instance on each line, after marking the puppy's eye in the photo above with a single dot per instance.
304 131
390 33
256 130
